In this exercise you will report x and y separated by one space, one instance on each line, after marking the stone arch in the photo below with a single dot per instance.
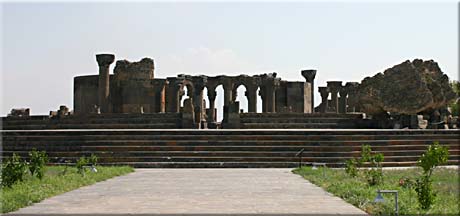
219 102
251 84
241 97
175 91
259 101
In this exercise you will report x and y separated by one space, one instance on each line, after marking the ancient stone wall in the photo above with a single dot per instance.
85 94
133 89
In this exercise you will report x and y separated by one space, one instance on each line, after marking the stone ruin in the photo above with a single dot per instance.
412 94
133 89
19 112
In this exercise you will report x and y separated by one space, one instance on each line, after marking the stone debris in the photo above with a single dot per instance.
19 112
408 88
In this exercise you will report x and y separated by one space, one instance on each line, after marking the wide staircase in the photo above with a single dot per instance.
299 120
95 121
227 148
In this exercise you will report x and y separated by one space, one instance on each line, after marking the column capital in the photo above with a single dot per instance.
227 84
212 95
334 86
343 91
351 86
323 89
309 75
105 59
199 82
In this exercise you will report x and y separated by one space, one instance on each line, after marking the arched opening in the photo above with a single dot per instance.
241 97
219 102
205 98
259 101
185 96
206 104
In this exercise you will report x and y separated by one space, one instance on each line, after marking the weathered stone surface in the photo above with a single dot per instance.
142 70
19 112
407 88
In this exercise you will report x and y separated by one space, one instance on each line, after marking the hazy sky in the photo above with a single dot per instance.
45 45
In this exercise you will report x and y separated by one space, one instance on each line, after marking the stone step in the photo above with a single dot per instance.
91 126
247 159
91 121
220 132
175 137
292 120
245 164
302 115
227 148
221 153
45 143
291 125
100 116
219 148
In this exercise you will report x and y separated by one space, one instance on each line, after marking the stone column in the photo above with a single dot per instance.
172 96
309 76
212 106
271 98
104 61
351 100
228 88
264 99
159 95
343 100
334 87
251 94
324 92
199 83
269 84
228 92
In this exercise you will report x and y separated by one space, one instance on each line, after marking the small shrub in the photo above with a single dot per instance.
425 193
93 160
434 156
350 167
81 163
13 170
374 174
38 160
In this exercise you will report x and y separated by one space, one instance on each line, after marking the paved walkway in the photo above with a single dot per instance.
198 191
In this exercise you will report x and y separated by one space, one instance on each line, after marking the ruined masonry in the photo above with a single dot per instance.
132 118
133 89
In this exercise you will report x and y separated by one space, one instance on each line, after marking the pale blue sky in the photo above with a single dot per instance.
45 45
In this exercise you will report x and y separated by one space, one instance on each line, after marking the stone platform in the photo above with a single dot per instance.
198 191
256 148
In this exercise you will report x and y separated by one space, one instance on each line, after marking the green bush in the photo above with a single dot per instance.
81 163
38 160
13 170
434 156
350 167
425 193
373 174
93 160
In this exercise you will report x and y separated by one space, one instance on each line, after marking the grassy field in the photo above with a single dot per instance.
357 192
55 182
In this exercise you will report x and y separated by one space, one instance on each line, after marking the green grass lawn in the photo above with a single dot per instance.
357 192
55 182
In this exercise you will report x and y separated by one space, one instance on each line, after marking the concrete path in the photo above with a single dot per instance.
198 191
